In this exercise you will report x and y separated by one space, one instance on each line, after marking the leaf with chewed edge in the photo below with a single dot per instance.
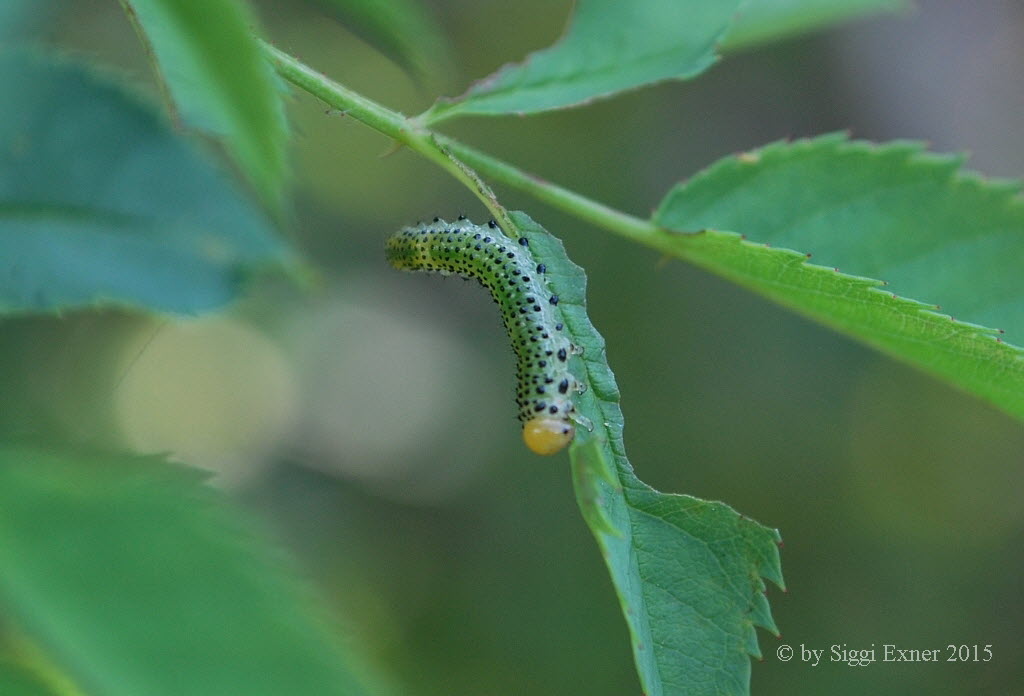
846 232
688 572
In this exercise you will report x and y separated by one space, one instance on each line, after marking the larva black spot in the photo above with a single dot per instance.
498 263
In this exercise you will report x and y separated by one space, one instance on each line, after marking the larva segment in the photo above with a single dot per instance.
529 310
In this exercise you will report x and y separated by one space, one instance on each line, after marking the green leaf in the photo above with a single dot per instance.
26 671
609 46
101 203
761 21
16 680
882 223
688 572
21 18
208 59
401 29
136 578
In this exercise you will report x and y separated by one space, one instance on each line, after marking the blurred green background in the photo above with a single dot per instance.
370 418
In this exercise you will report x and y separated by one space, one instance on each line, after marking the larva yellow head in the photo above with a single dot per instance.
547 435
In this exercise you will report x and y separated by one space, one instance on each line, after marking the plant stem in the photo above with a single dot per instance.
448 153
376 116
566 200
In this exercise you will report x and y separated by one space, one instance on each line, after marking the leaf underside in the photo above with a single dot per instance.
688 572
134 577
101 203
890 244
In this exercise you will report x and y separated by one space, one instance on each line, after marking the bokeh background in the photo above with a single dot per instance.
368 417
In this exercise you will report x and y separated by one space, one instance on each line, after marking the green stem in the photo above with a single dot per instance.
380 118
566 200
455 157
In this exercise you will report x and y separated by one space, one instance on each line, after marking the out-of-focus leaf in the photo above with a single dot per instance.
688 572
16 680
208 58
19 19
882 223
401 29
609 46
100 202
762 21
136 578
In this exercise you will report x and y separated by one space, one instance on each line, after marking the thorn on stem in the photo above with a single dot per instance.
395 147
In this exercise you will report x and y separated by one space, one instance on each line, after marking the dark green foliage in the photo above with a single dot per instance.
102 203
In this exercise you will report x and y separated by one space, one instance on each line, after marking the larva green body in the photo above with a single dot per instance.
528 308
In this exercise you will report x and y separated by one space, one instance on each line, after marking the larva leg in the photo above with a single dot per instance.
582 421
